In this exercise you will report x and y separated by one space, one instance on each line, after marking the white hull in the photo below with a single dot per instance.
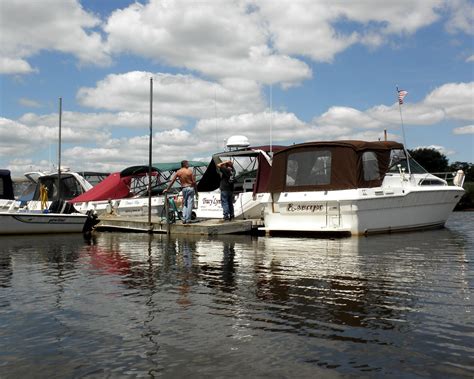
36 223
122 207
362 211
245 206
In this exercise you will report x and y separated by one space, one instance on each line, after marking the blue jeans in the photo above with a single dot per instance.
188 203
227 202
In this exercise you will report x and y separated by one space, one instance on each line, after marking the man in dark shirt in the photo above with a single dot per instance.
227 173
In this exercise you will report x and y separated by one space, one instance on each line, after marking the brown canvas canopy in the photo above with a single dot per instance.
334 165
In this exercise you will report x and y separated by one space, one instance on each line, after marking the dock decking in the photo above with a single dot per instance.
201 227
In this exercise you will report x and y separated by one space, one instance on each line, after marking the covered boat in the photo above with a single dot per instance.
126 192
252 165
58 218
354 187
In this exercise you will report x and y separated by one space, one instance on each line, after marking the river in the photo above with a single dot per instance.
119 305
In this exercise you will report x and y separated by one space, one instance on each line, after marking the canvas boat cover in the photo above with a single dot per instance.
334 165
6 185
117 185
211 178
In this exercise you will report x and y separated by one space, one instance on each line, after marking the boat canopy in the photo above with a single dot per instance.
334 165
6 185
132 182
211 178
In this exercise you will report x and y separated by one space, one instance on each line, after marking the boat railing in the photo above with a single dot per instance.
455 178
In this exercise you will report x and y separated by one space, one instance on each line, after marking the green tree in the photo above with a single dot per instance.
431 159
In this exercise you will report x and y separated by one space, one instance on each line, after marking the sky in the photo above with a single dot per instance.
278 72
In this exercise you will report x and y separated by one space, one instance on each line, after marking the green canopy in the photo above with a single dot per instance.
174 166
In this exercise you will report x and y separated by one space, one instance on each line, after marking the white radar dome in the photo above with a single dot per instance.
237 142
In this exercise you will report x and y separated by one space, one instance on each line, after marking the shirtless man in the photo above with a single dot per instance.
188 184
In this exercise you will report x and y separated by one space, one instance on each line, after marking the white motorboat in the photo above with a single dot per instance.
60 218
30 222
252 165
125 193
357 188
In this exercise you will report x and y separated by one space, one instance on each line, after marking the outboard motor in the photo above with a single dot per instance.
92 220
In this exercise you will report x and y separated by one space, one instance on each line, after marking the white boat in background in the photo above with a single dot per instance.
355 187
252 165
17 221
29 222
125 193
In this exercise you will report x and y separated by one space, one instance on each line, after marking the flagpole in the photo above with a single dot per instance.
400 102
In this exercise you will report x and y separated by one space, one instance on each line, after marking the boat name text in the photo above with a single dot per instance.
305 208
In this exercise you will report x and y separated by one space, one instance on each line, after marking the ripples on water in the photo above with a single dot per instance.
133 305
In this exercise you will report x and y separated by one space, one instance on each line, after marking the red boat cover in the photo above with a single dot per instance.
112 187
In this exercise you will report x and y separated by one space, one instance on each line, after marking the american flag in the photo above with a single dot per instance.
401 96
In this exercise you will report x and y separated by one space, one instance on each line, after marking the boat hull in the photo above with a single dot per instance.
246 206
41 223
361 212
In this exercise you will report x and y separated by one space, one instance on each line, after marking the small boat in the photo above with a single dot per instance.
355 187
126 192
59 218
252 165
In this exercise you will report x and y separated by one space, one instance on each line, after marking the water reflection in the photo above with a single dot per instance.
156 305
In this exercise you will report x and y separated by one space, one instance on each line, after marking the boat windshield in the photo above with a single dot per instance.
398 157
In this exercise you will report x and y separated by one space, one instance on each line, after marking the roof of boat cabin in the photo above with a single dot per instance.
354 144
160 167
252 150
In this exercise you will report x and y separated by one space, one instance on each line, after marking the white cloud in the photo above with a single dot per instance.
102 121
220 40
29 27
173 95
470 59
316 35
343 116
29 103
456 99
461 17
15 66
468 129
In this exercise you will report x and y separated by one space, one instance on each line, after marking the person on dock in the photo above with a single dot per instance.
227 173
188 183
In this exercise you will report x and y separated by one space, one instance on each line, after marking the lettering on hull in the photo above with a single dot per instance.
305 208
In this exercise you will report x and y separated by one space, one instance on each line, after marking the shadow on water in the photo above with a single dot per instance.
152 305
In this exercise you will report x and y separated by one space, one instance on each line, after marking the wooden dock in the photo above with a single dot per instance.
200 227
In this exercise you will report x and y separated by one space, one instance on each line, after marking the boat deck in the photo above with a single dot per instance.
198 227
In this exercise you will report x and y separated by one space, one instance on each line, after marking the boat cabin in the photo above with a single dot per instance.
252 166
335 165
6 185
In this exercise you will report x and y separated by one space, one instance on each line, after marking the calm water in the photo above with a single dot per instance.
133 305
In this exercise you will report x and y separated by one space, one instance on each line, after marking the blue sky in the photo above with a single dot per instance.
305 70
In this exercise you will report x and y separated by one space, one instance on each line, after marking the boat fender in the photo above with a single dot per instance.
459 178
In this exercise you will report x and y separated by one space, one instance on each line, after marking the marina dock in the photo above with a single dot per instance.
198 227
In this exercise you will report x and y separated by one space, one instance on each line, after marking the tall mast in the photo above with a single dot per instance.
150 155
59 148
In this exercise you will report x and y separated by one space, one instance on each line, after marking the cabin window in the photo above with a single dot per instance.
2 188
370 166
309 168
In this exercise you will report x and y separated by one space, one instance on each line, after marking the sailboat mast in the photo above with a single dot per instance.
59 148
150 154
